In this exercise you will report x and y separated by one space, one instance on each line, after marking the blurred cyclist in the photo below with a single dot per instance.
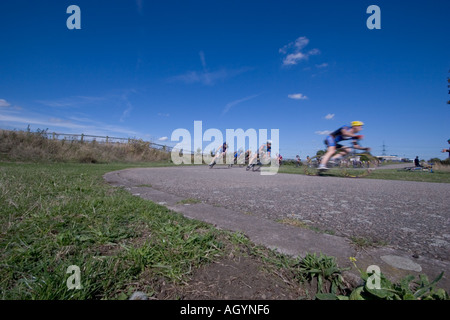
263 152
345 132
222 150
447 150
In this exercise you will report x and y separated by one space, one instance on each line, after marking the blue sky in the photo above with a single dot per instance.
140 68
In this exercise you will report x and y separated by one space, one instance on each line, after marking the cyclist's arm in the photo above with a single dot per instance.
348 133
357 146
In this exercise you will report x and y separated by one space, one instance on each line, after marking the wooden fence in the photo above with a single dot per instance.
103 139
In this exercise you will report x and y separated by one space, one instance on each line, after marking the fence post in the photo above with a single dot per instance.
82 135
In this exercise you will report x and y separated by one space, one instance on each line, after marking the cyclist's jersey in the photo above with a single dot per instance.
223 148
266 148
338 135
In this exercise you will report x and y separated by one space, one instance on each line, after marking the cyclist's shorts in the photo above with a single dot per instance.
330 142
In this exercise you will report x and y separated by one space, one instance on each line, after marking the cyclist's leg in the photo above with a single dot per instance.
216 156
341 151
251 159
331 149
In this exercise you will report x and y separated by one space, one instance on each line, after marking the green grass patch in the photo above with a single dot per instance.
441 176
301 224
363 242
57 215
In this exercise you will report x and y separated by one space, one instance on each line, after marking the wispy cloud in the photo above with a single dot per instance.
322 65
86 126
329 116
294 51
163 114
128 108
163 139
71 102
4 103
8 106
298 96
119 99
236 102
325 132
207 77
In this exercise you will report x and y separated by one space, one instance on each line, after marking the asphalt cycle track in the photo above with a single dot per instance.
405 224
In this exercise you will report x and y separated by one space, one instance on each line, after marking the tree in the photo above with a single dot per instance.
321 153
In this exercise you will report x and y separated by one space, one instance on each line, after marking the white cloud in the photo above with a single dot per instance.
329 116
163 139
163 114
294 58
4 103
323 65
205 76
294 51
325 132
297 96
236 102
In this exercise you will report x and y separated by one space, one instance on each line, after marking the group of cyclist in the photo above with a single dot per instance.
334 152
252 158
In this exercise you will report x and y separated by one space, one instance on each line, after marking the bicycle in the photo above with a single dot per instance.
254 166
257 166
351 165
424 168
229 165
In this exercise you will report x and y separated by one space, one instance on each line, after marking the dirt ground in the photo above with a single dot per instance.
238 278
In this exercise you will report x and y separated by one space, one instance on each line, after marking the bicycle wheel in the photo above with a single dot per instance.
310 168
257 166
357 165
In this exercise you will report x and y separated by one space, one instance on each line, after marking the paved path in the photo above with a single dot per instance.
410 218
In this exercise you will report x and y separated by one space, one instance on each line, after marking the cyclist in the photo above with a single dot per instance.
345 132
263 152
238 156
447 150
222 150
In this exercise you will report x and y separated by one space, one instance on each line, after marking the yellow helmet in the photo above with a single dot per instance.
357 123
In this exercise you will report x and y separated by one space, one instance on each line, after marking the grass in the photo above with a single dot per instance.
367 242
57 215
441 174
301 224
39 146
